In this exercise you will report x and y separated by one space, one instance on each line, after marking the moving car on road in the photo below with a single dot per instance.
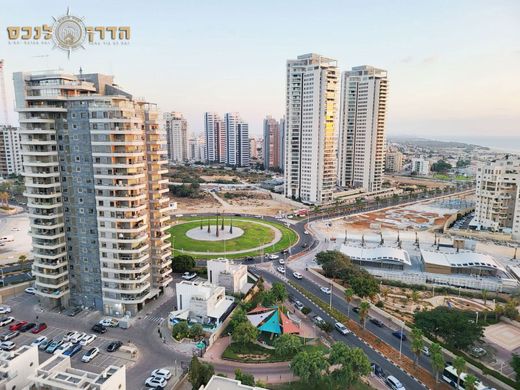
161 373
378 371
281 269
89 355
155 382
326 290
400 335
281 261
297 275
298 305
318 320
273 256
114 346
394 383
376 322
341 328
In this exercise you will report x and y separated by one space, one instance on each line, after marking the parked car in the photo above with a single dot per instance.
297 275
5 309
98 328
53 346
6 321
73 349
326 290
114 346
67 336
155 382
400 335
77 337
161 373
341 328
394 383
39 328
477 352
73 311
39 341
281 269
109 322
189 275
88 339
376 322
27 327
62 348
9 335
298 305
18 325
89 355
425 351
7 345
44 344
355 309
30 290
377 370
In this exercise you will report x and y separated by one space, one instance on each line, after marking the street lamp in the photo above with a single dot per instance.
401 340
330 304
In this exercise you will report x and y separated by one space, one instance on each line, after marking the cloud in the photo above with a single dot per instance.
429 60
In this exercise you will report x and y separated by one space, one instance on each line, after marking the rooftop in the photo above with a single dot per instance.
380 253
462 259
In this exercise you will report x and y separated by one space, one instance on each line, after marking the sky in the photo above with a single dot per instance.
453 66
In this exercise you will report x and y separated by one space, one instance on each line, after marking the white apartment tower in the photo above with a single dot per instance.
176 136
215 133
10 155
196 149
237 140
272 149
362 128
94 159
310 128
498 196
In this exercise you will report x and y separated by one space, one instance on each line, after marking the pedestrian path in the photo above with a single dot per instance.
156 319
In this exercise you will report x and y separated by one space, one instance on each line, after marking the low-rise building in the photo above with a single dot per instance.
231 276
378 257
206 302
17 366
462 262
393 161
220 383
420 166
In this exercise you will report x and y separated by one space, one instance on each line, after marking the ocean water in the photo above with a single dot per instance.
505 144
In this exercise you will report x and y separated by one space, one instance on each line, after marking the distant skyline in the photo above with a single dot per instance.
451 64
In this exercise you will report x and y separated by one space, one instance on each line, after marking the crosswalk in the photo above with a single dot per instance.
156 319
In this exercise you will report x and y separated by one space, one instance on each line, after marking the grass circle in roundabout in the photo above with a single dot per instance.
257 233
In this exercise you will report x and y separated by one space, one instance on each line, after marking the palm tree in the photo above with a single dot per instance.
363 312
459 364
415 296
437 360
417 343
349 294
21 260
499 310
470 382
484 296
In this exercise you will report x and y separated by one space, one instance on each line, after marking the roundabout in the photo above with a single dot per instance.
231 237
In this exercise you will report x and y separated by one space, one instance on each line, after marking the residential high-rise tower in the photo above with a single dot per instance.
176 136
273 146
215 133
10 154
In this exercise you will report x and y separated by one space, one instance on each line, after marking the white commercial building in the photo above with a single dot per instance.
420 166
237 140
378 257
205 301
17 366
215 134
310 128
362 128
220 383
10 151
176 137
498 196
462 262
231 276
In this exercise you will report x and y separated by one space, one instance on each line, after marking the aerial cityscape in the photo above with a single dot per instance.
250 196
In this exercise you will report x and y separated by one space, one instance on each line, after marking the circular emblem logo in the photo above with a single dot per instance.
68 32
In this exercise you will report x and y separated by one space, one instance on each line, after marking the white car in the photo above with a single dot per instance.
425 351
189 276
306 232
155 382
326 290
6 321
88 339
39 340
69 335
394 383
5 309
77 337
318 320
109 322
281 269
341 328
273 257
30 290
281 261
7 345
89 355
297 275
62 348
161 373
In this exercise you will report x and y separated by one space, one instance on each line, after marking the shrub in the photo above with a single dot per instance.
306 310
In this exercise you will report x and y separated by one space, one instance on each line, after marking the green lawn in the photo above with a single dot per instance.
254 235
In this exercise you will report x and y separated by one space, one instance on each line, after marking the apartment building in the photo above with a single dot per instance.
498 196
420 166
197 149
311 128
237 140
10 155
393 161
176 137
94 159
231 276
362 128
216 139
273 144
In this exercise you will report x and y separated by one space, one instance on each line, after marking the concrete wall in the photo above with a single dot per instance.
9 291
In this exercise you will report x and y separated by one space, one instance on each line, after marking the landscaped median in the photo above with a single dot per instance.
389 352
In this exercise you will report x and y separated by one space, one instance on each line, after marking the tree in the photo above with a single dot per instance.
199 373
470 382
363 312
459 364
326 326
415 296
349 294
279 292
245 333
452 325
244 377
510 310
437 359
349 364
309 366
239 316
484 296
441 166
196 331
180 330
328 256
260 284
21 260
515 365
417 343
183 263
499 311
287 345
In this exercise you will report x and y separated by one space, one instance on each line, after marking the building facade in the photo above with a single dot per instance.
215 134
393 161
197 149
498 196
362 128
273 144
176 137
231 276
237 140
94 159
10 153
311 128
420 166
